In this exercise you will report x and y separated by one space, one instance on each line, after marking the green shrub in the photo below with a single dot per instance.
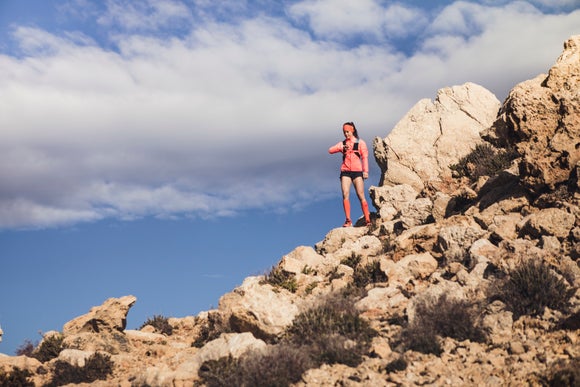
15 378
333 332
221 372
311 286
160 323
281 365
211 329
308 270
352 261
571 322
97 367
421 338
26 349
484 160
531 287
365 275
334 274
281 278
278 366
399 364
563 373
49 348
441 316
369 274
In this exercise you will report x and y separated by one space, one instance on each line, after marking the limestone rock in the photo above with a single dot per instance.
417 212
549 221
541 117
22 362
300 258
390 301
415 240
75 357
411 267
434 135
258 308
337 237
389 200
113 342
455 240
366 246
111 316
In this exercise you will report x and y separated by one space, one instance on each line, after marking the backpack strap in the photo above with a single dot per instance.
354 148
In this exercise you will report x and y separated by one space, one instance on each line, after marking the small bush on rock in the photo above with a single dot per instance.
281 278
333 332
399 364
49 348
221 372
484 160
211 329
97 367
15 378
531 287
371 273
160 323
26 349
563 373
352 261
441 316
279 365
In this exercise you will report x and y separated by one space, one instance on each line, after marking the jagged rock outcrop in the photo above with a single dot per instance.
111 316
434 237
541 118
434 135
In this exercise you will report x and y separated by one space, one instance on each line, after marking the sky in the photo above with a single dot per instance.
168 149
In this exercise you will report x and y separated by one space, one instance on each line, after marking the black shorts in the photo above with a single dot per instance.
352 174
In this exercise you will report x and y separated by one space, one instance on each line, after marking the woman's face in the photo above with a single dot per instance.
347 130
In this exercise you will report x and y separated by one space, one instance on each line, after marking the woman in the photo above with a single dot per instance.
354 169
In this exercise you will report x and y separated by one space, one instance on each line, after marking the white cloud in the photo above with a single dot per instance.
399 20
231 116
343 19
147 15
551 5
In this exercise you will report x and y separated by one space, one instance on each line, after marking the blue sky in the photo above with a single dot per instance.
170 148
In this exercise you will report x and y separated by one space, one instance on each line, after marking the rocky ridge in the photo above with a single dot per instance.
435 232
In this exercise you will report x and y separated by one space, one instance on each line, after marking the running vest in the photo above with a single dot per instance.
354 148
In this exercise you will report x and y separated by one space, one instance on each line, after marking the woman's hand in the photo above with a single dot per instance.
365 175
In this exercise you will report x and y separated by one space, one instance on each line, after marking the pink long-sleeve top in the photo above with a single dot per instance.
351 162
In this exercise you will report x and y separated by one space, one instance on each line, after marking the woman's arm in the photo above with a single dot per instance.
364 152
336 148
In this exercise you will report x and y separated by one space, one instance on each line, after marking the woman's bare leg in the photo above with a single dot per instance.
345 183
359 187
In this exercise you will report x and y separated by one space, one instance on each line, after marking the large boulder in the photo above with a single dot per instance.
259 308
434 135
541 117
102 329
111 316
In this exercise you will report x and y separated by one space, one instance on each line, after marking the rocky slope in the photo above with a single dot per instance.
475 196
